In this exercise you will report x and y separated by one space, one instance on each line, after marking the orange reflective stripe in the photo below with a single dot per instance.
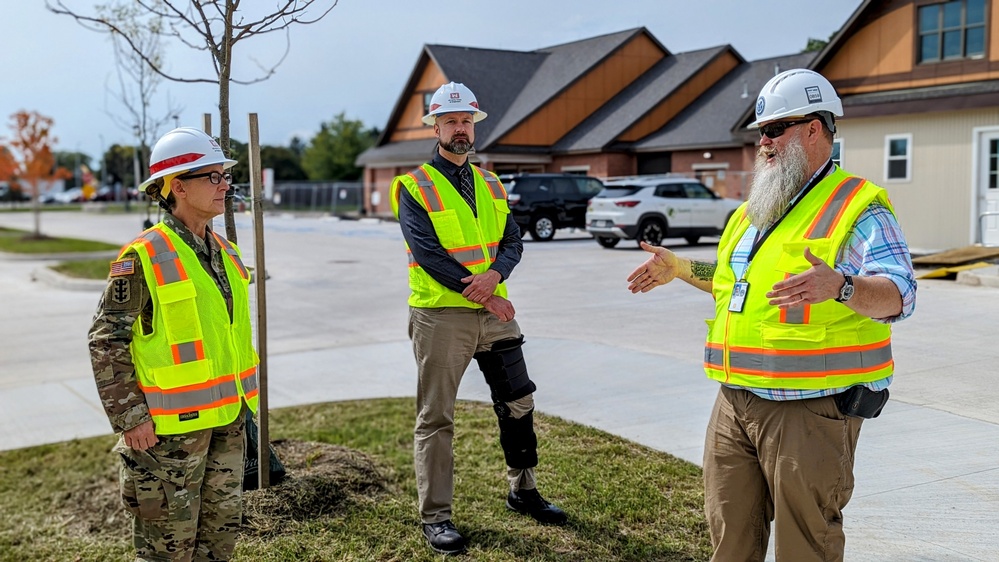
828 217
190 398
167 267
495 187
187 352
812 363
249 381
431 202
233 255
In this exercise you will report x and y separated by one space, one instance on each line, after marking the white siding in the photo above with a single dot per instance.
936 206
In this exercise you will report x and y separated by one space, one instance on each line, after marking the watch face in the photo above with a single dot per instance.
846 291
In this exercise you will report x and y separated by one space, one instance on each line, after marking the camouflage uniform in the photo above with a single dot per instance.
185 491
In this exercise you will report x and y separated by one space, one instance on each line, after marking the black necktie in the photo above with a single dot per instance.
467 187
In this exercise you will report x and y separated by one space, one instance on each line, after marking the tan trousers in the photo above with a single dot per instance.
444 340
790 462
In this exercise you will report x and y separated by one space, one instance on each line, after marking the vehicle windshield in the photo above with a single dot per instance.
619 191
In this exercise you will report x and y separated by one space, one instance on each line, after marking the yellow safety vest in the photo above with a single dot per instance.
820 346
472 241
194 367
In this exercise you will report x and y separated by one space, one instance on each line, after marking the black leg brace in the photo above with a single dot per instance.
506 373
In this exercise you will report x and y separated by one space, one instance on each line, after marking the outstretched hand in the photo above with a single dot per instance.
658 270
816 284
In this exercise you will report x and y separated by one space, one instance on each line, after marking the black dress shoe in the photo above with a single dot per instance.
530 502
444 538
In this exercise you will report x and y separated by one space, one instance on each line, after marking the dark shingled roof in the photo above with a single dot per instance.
709 121
404 151
926 93
634 102
562 66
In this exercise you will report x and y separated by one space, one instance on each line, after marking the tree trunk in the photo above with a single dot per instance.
36 208
225 71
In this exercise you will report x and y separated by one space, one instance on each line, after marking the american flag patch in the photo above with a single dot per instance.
122 267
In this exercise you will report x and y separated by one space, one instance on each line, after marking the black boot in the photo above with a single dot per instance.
530 502
444 538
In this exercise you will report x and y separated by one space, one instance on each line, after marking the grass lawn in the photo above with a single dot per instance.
21 242
625 502
84 269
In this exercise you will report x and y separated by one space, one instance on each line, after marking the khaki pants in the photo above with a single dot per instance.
790 462
185 494
444 340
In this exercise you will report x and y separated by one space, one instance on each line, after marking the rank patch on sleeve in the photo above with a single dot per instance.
122 267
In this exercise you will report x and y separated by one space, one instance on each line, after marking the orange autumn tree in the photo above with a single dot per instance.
30 151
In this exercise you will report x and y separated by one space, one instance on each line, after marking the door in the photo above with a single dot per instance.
671 200
705 210
988 188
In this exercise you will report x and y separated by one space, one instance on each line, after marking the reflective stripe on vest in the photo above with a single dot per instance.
465 256
803 363
233 255
212 394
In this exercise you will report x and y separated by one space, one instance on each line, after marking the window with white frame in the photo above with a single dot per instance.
898 157
837 152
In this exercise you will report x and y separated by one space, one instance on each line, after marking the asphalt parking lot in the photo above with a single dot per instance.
927 476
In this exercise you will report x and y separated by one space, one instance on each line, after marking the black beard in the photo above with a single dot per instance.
457 146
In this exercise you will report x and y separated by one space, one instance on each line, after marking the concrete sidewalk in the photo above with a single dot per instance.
927 470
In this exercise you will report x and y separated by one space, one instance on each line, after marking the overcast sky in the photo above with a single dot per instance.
358 58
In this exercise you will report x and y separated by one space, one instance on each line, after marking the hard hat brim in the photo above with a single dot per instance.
477 115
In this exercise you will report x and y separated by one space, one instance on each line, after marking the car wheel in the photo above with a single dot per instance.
651 231
692 240
542 228
608 241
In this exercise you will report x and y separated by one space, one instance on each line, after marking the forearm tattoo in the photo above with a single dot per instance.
701 270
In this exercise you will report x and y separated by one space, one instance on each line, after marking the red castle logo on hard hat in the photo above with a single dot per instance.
455 96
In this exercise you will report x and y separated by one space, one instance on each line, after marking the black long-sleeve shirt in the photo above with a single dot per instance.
427 249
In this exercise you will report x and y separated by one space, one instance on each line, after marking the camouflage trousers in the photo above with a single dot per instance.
185 494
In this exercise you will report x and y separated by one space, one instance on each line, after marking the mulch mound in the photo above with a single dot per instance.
321 480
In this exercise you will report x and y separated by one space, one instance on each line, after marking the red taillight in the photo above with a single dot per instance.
513 199
626 203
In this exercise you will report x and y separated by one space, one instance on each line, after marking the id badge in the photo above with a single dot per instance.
738 300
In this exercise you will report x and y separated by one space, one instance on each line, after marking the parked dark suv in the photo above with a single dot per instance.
542 203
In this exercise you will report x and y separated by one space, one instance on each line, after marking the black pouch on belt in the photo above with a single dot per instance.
861 402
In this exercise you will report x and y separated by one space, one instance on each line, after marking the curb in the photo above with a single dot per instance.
68 256
985 277
60 281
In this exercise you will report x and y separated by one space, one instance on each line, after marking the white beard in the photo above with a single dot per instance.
776 183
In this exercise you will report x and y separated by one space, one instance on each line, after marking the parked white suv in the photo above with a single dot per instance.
648 209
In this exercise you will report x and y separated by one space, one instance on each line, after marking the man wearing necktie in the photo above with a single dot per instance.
462 245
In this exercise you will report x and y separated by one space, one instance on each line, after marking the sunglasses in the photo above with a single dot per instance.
214 177
777 129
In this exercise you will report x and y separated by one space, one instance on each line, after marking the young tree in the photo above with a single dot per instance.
332 152
137 81
215 27
31 151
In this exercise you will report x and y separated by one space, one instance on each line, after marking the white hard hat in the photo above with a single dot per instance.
793 93
181 150
452 97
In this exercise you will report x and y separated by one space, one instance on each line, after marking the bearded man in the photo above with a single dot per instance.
811 272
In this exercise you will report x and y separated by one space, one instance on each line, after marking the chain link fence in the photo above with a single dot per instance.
336 198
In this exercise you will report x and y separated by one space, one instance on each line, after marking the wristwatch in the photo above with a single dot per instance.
846 291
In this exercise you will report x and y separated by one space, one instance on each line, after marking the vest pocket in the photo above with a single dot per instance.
184 374
448 228
502 207
179 310
792 259
777 335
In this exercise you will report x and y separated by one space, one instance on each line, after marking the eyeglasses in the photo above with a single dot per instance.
214 177
777 129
